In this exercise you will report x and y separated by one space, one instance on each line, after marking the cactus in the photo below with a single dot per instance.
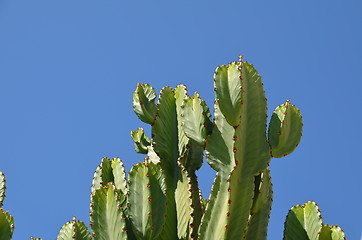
161 198
305 222
6 220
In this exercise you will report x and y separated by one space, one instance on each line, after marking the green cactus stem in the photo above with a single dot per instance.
237 149
331 233
305 222
147 200
257 226
2 188
110 170
285 130
141 141
6 225
106 215
6 220
74 230
144 103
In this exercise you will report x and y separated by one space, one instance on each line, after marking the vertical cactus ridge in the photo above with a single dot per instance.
180 96
241 192
196 119
106 215
6 225
144 103
285 130
250 145
165 133
141 141
110 170
259 217
196 205
183 201
165 142
147 200
219 145
119 175
103 174
213 222
251 151
74 230
152 156
303 222
2 188
228 91
237 149
192 157
331 233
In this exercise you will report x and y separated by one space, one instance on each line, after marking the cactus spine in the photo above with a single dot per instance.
161 198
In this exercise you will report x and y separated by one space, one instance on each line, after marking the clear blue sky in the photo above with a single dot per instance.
68 70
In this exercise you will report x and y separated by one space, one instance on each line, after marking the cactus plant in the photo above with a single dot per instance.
161 198
6 220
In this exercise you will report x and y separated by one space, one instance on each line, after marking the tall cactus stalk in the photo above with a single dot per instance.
161 198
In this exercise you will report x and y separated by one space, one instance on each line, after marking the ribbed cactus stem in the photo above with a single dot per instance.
74 230
2 188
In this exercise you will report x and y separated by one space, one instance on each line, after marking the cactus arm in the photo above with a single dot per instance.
152 155
285 130
196 119
219 145
331 233
74 230
214 227
165 142
194 123
303 222
107 218
250 146
6 225
245 146
102 175
66 232
193 157
147 200
6 220
119 175
259 216
183 205
141 141
180 96
251 150
228 92
2 188
196 206
240 200
144 103
110 171
165 134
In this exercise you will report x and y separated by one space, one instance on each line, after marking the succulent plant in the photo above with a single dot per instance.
160 197
6 220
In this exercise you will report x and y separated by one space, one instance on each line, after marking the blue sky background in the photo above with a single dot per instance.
68 70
